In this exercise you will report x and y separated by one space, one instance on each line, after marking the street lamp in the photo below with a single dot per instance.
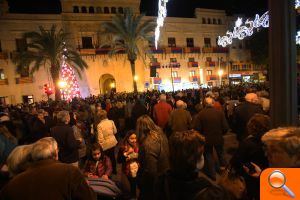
113 85
220 72
135 78
62 85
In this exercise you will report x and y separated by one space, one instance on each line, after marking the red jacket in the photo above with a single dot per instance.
161 113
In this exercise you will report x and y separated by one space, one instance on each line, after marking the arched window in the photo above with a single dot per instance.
113 10
214 21
219 21
208 20
83 9
98 10
91 10
203 21
106 10
120 10
75 9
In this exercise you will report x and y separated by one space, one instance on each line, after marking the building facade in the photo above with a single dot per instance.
187 56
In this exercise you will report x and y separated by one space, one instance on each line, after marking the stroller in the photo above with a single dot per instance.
105 189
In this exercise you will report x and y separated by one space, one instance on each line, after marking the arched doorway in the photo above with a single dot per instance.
107 84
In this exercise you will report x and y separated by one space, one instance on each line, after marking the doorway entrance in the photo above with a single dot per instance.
107 84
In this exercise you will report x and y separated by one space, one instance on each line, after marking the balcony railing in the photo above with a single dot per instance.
207 50
176 79
192 50
210 63
3 55
87 51
193 64
156 80
220 50
4 81
155 64
194 78
23 80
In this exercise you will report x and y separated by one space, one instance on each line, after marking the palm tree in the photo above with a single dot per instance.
128 31
47 47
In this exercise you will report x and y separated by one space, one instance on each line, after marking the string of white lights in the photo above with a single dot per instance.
240 32
162 14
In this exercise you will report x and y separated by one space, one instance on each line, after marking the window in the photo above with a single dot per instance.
208 20
192 73
214 21
24 72
113 10
209 72
2 76
174 74
28 99
171 42
219 21
208 59
21 44
203 21
91 10
106 10
83 9
191 59
235 68
98 10
120 10
75 9
173 60
190 42
207 42
157 75
87 43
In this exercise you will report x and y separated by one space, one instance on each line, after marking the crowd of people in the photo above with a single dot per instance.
169 145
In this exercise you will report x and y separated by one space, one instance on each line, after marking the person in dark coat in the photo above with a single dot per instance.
251 150
46 178
153 156
39 129
67 144
186 160
138 110
213 125
242 114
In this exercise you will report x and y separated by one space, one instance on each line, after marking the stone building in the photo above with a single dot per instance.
187 56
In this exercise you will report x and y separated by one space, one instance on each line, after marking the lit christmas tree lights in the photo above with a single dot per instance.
162 14
71 88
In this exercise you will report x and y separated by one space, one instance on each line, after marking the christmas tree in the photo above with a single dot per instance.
71 88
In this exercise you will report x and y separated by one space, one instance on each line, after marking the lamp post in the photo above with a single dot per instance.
62 85
220 72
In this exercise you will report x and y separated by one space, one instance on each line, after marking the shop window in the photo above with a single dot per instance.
28 99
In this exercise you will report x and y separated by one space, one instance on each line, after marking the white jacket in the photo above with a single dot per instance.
106 134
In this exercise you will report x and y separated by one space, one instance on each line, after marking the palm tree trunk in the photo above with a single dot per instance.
132 65
55 78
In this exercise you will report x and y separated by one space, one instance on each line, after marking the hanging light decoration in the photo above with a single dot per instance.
162 14
241 31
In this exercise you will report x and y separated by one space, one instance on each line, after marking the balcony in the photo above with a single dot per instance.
23 80
192 50
207 50
155 64
211 77
194 78
220 50
3 55
174 50
176 79
87 51
156 81
210 63
193 64
102 51
174 65
4 81
159 50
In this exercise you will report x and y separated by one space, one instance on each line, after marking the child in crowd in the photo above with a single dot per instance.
99 166
128 156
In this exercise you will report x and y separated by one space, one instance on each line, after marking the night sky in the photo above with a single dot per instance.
176 8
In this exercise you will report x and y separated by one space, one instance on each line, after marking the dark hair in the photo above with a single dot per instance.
128 134
186 148
97 146
258 125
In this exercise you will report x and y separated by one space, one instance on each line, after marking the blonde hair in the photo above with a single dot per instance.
288 138
19 159
146 127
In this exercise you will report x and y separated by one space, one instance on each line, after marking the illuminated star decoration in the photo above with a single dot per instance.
68 75
162 14
240 32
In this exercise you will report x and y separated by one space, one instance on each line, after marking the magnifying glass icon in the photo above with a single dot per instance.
277 180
